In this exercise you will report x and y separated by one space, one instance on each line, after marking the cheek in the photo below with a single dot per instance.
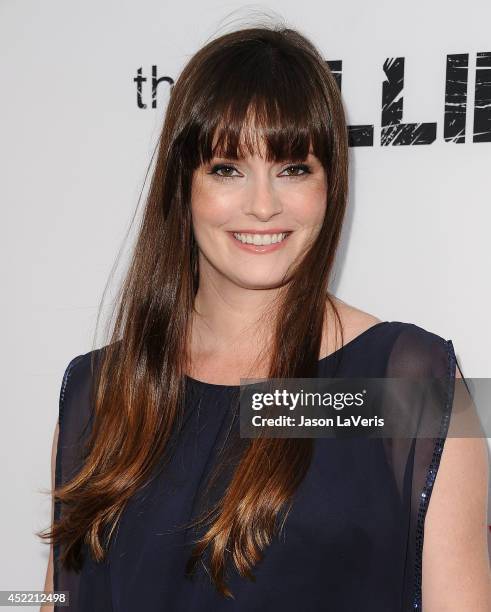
207 216
309 208
210 206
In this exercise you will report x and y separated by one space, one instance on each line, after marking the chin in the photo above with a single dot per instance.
261 281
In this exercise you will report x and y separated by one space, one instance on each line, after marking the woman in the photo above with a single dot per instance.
160 505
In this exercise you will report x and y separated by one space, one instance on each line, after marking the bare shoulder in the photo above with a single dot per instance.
353 320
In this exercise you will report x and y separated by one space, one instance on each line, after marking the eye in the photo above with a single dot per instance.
222 167
304 168
224 171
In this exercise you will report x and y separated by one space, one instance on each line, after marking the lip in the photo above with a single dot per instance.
273 230
256 248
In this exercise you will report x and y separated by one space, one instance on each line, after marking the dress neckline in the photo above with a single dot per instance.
323 360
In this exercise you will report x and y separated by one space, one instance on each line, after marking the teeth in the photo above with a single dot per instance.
261 239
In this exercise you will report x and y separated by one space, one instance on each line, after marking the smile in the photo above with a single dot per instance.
260 239
260 243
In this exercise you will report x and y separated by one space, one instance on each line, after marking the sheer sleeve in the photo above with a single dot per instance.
419 354
74 421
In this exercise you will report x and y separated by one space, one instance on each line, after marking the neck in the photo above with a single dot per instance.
228 318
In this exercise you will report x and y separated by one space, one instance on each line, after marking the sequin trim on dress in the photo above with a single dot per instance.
431 475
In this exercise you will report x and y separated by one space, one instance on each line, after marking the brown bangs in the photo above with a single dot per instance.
260 100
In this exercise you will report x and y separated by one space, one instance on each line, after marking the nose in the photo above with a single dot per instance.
262 201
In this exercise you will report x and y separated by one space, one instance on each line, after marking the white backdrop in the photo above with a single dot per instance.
74 150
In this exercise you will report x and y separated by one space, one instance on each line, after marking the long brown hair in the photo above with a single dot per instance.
276 80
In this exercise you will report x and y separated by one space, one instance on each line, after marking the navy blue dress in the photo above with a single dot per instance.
352 541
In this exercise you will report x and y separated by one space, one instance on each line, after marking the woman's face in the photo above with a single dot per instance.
242 209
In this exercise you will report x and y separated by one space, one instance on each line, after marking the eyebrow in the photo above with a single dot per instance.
221 158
